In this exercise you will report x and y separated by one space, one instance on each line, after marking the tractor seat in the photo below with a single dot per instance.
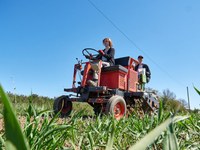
124 61
114 68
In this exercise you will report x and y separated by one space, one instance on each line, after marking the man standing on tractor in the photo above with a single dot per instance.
143 70
107 57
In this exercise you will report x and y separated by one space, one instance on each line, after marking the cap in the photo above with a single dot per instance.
140 56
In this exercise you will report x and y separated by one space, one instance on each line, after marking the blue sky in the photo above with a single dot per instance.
39 41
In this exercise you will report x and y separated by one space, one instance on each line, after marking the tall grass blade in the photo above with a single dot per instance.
170 142
111 137
150 137
160 112
91 140
10 146
13 131
80 142
2 142
180 118
197 90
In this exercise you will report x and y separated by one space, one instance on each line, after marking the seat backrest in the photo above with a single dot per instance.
124 61
115 68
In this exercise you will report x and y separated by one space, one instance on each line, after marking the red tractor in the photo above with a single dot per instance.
118 90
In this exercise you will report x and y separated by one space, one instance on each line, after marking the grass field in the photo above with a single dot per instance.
38 129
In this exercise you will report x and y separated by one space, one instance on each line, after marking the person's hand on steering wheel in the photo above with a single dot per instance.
89 56
101 52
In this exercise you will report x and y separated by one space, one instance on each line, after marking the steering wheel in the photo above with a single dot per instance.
90 53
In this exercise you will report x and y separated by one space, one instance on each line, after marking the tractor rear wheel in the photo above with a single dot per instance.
62 105
116 106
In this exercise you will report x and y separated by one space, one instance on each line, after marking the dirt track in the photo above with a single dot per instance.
21 120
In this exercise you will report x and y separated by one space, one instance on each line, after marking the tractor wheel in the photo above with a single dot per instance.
116 106
62 105
99 109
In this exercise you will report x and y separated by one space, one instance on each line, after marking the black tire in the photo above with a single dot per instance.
98 109
63 106
116 106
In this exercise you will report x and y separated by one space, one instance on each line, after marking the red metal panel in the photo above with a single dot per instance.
114 79
86 74
132 80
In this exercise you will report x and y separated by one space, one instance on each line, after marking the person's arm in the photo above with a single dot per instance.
148 72
136 67
111 54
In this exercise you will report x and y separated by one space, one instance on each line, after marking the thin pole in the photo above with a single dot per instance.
14 89
188 98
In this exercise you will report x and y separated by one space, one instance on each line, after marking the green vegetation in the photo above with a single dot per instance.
42 131
171 103
197 90
15 137
40 103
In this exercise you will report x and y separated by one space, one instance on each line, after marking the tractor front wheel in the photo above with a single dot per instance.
63 106
116 106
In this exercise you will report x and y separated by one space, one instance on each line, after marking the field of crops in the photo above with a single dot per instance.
41 130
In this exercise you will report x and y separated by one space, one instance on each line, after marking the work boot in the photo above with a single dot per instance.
92 83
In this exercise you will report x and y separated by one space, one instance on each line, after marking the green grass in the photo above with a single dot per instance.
21 103
41 131
15 139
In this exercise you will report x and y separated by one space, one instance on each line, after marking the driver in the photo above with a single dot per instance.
107 57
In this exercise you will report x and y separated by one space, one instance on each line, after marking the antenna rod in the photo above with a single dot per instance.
188 98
